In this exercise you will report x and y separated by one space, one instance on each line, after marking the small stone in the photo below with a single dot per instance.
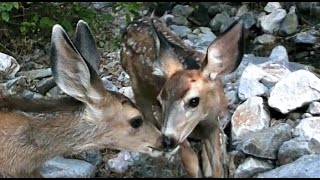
272 6
305 38
314 108
252 166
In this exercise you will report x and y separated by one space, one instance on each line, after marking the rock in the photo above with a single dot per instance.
204 39
272 6
226 24
305 167
265 143
236 157
252 166
59 167
295 148
108 84
180 20
54 92
182 10
8 66
265 39
295 90
309 128
44 85
123 160
290 23
305 38
218 20
189 43
31 95
232 97
36 74
181 31
279 55
248 19
250 88
93 156
127 91
242 10
250 116
271 22
306 115
10 87
314 108
205 30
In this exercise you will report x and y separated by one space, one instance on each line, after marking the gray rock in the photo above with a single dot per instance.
250 116
279 55
31 95
242 10
123 161
180 20
226 24
10 87
127 91
54 92
205 39
248 19
45 84
305 167
295 90
188 42
8 66
182 10
309 128
59 167
108 84
306 115
232 97
213 10
36 74
290 23
295 148
218 20
93 156
205 30
266 142
305 38
271 22
272 6
181 31
265 39
314 108
252 166
250 88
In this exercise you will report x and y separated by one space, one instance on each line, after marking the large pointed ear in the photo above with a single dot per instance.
86 44
167 62
225 53
71 72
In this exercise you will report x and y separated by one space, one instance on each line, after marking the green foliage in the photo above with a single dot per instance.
130 9
6 8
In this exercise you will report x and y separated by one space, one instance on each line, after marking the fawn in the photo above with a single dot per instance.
179 89
32 131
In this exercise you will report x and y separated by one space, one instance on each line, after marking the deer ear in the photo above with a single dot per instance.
167 61
86 45
225 52
71 72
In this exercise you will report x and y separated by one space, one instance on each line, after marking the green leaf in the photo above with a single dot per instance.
5 16
16 5
66 24
46 22
9 6
35 17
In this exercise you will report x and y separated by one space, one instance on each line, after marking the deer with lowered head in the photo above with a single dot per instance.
33 131
180 91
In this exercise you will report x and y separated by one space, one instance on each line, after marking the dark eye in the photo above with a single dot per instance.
194 102
136 122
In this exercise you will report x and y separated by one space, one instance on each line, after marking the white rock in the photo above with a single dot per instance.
295 90
271 6
250 116
308 128
265 39
59 167
252 166
127 91
8 66
279 55
271 22
314 108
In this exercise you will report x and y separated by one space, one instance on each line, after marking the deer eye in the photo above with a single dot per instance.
136 122
194 102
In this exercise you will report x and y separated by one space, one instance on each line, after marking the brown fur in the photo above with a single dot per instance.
173 88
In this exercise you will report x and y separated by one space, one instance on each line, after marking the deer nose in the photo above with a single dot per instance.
169 143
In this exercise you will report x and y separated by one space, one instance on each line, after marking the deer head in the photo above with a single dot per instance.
191 96
74 67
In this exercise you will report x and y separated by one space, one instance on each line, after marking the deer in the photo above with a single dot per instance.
179 89
90 116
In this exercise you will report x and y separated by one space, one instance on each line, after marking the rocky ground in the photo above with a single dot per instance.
274 95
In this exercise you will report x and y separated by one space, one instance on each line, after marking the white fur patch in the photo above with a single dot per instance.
214 56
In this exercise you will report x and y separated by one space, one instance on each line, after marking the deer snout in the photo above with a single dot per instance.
169 143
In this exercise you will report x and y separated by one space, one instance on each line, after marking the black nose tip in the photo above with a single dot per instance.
169 143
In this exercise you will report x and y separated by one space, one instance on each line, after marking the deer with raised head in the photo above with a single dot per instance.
33 131
180 91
